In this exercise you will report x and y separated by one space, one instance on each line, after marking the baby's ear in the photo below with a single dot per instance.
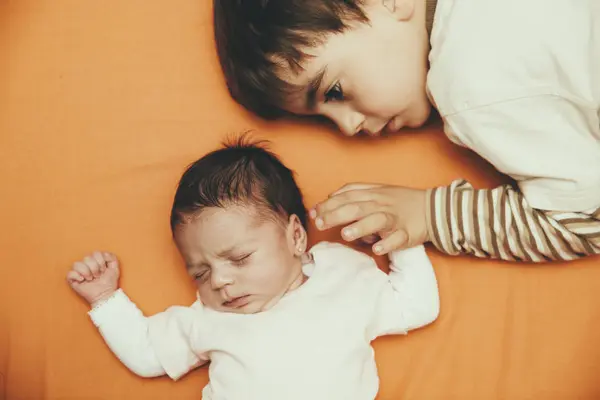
403 10
297 235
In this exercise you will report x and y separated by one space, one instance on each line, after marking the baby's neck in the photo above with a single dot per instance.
299 279
297 282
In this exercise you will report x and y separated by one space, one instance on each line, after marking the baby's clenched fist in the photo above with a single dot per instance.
96 277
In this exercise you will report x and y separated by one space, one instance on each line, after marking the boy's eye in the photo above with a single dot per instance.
335 93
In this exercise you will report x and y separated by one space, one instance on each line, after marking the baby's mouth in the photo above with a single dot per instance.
237 302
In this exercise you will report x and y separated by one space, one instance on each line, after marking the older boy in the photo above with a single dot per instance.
517 81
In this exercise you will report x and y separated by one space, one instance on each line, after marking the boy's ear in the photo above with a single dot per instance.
403 10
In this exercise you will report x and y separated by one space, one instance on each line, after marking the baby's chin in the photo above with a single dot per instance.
256 304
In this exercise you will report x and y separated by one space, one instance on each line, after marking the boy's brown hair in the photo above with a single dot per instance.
256 39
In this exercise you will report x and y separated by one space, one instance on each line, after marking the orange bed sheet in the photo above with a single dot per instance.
102 105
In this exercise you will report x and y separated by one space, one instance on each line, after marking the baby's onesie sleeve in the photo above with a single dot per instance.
148 346
410 298
177 336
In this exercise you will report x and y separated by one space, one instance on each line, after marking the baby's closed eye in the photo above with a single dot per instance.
203 275
241 260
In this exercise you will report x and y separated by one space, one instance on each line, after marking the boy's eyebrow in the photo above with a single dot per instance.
313 88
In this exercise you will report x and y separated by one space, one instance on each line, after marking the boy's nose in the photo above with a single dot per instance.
350 122
374 126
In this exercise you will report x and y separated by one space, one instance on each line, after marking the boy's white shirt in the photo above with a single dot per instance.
518 82
313 344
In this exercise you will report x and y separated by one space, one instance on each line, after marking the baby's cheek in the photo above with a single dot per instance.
205 295
270 278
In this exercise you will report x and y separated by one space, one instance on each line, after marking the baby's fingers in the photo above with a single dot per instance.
111 260
101 261
83 270
93 265
74 277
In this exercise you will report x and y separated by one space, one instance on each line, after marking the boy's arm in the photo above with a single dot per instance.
151 346
499 223
551 146
411 300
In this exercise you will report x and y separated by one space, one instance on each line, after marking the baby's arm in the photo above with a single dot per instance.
135 339
410 300
125 331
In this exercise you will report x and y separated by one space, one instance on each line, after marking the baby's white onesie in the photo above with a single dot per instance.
314 344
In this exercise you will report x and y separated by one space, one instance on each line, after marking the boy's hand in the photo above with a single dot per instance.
394 214
96 277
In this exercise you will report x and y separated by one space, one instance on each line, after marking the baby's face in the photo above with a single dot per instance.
241 263
370 78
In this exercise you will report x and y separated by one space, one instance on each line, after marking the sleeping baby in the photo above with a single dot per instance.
275 319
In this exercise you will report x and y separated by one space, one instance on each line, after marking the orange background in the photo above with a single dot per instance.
102 105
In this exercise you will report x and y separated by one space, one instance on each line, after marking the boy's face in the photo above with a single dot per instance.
242 263
371 78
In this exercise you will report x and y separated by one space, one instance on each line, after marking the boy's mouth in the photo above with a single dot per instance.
394 125
237 302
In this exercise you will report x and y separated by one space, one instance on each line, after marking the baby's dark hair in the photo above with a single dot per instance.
255 39
243 172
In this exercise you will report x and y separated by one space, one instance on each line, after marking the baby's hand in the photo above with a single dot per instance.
96 277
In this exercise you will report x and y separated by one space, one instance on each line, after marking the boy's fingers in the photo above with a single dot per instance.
83 269
92 264
342 199
370 239
74 276
346 214
395 241
368 226
355 186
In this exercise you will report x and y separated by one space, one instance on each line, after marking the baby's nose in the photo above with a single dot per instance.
220 281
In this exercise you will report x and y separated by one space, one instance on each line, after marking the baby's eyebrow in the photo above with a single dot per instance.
194 265
224 253
234 250
313 88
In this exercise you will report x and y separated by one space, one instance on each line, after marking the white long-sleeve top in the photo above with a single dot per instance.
314 344
518 82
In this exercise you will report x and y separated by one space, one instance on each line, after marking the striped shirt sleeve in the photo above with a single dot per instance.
498 223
